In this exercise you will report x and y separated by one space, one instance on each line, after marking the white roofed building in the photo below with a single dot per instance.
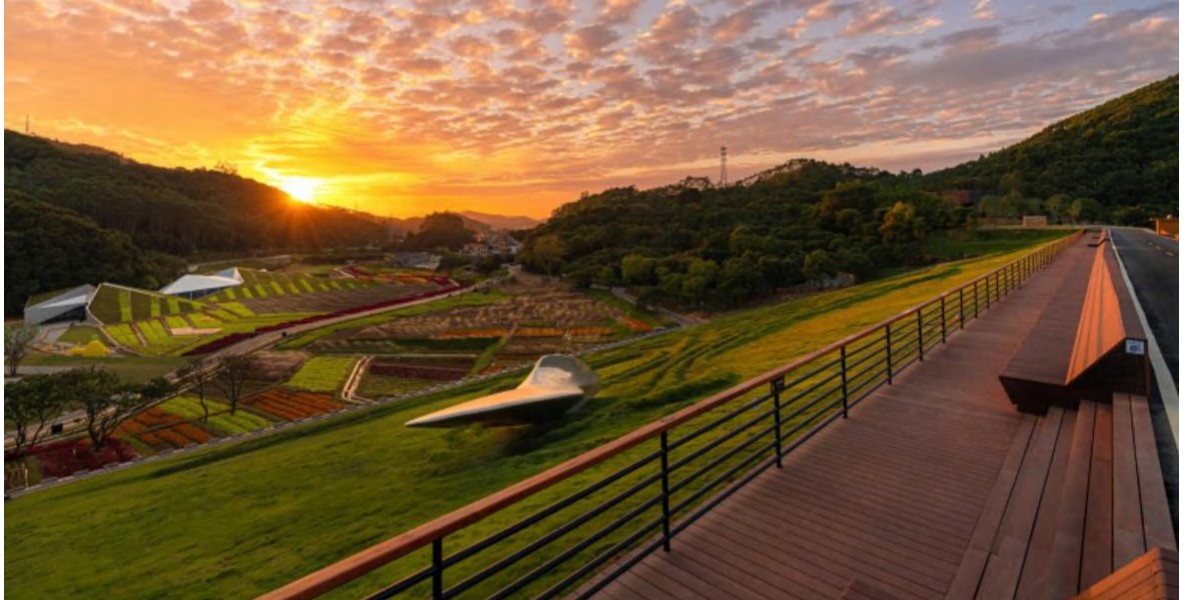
197 286
69 305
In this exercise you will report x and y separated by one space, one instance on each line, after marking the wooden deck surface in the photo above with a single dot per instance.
891 498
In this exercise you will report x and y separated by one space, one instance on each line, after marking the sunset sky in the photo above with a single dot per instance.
515 107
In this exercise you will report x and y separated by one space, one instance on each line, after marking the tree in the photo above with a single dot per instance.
107 402
30 405
1056 207
547 254
195 376
234 371
17 340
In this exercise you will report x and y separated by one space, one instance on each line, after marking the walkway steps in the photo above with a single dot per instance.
1088 512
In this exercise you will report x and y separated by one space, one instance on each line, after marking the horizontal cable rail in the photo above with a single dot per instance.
654 482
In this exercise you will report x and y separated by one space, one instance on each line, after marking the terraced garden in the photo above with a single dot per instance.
229 500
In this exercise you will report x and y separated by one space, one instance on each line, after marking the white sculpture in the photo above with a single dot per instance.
559 384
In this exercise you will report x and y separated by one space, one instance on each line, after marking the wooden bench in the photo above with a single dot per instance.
1153 576
1080 495
1087 343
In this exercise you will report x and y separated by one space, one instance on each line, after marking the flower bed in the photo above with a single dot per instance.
466 334
162 430
418 372
62 458
539 332
323 373
442 361
292 404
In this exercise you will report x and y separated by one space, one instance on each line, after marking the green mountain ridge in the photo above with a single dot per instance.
696 245
1122 153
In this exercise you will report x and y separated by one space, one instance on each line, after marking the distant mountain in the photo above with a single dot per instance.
475 221
1122 153
500 222
177 211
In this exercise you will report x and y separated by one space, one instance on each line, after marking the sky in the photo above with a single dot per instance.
515 107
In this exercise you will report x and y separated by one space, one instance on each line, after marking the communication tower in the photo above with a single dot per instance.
724 181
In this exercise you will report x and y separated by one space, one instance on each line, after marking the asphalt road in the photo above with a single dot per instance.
1152 262
1153 265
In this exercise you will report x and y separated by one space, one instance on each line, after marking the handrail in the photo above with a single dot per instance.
433 532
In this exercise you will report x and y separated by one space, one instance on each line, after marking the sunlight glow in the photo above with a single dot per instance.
303 189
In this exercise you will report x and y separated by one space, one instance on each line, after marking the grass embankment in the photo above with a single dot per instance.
235 522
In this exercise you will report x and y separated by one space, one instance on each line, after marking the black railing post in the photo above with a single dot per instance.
920 336
943 318
846 394
975 298
987 290
962 309
436 575
887 332
664 467
776 390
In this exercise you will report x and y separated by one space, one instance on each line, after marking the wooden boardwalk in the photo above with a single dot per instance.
885 504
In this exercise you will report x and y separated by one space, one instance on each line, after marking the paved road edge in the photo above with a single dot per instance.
1166 387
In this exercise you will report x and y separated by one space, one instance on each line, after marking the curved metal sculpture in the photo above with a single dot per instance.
559 384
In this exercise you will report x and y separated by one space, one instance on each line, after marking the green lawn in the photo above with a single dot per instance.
241 520
323 373
134 369
79 334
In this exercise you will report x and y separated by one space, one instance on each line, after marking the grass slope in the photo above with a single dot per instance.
235 522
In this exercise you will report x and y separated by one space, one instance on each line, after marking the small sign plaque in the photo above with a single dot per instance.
1135 347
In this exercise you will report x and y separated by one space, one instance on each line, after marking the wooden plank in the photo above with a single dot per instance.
1035 571
966 580
1003 570
852 512
861 589
1128 537
881 541
1098 528
772 564
993 510
896 570
1156 514
1072 510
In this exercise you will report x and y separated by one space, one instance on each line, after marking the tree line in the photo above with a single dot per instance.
694 244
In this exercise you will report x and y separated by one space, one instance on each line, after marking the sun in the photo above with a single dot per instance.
303 189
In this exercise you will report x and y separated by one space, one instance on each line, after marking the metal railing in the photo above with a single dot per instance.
647 486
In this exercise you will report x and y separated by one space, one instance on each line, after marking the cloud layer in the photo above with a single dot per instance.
517 106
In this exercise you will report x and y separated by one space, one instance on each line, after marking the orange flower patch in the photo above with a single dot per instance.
455 334
589 331
539 332
162 430
291 404
637 324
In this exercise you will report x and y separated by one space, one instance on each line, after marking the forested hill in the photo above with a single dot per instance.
1124 154
177 211
693 244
